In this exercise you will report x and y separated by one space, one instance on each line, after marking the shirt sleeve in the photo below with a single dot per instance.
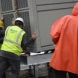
56 29
25 43
2 32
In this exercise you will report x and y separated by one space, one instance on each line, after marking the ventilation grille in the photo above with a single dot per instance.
22 3
8 19
25 16
6 5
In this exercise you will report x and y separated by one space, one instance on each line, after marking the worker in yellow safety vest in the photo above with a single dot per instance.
13 45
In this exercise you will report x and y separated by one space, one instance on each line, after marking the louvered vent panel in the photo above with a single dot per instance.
25 16
8 19
6 5
22 3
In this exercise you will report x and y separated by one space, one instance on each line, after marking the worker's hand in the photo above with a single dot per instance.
34 35
27 53
13 21
2 18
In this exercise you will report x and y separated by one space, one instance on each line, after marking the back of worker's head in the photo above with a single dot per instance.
1 24
19 22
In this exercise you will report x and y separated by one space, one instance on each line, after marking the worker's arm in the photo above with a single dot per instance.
2 18
56 29
1 40
26 43
2 32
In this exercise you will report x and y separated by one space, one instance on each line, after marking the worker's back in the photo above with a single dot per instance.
12 40
65 32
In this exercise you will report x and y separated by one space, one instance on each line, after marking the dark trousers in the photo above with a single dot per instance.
5 63
4 75
61 74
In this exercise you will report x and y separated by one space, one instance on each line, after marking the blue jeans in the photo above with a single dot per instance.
4 75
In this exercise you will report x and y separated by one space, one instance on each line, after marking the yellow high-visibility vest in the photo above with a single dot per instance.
12 40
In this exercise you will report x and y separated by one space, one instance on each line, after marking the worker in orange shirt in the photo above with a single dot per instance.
64 34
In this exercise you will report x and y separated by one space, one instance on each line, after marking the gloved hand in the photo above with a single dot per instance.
27 53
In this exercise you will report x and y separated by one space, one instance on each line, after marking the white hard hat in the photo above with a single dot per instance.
19 19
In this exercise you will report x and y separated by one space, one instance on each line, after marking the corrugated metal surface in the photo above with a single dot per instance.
6 5
25 16
8 19
22 4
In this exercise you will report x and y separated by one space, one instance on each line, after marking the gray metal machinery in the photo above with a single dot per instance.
38 15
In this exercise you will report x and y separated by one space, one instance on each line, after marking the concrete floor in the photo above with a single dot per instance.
43 73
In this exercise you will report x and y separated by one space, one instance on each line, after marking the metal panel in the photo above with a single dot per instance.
22 3
25 16
46 19
0 7
38 2
54 7
39 59
8 19
34 23
0 12
75 1
35 60
6 5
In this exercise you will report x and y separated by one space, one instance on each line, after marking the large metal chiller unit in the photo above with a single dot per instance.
38 15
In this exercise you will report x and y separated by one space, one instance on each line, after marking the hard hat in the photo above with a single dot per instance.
19 19
1 24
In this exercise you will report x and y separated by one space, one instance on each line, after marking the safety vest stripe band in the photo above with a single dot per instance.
7 30
12 42
19 36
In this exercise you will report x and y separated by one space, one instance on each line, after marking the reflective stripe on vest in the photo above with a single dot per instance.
12 42
7 30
